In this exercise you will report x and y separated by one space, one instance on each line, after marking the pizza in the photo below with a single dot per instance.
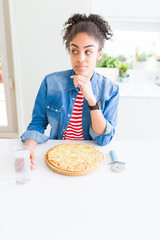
74 158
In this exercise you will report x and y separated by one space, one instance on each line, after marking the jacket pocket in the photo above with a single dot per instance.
53 107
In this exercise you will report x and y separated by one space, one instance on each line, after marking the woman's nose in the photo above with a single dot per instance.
81 57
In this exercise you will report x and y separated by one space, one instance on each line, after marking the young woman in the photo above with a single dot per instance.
77 103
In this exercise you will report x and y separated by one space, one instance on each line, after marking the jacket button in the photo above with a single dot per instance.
48 106
73 98
63 130
84 118
85 133
69 115
56 110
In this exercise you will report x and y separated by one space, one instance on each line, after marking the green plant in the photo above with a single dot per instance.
123 67
108 61
112 62
127 60
151 54
121 58
158 58
141 57
101 62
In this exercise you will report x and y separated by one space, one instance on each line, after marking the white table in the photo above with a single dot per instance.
101 205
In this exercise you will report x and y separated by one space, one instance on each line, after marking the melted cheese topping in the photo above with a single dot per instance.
74 156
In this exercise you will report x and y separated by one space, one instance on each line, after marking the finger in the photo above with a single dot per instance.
79 77
73 76
33 160
79 80
33 166
77 84
74 80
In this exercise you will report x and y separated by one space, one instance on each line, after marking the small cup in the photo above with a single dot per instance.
21 158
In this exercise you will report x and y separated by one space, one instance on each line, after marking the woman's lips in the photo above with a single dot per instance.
81 67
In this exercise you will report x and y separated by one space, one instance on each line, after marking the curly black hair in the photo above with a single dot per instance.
94 25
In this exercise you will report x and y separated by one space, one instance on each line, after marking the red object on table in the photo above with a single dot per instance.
1 79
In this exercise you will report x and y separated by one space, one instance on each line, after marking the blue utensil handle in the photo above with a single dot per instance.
114 156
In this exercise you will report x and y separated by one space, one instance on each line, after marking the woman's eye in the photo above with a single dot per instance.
74 51
88 52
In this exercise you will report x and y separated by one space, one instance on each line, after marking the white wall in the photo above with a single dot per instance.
138 119
127 8
38 46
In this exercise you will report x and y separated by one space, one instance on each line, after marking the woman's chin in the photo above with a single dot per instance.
82 73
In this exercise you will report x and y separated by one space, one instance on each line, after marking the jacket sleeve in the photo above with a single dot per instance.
35 129
110 113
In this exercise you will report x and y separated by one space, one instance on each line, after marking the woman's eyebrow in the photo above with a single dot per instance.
89 46
72 44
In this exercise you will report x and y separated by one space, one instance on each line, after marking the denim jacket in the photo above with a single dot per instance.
54 105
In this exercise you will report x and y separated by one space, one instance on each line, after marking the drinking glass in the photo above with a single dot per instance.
21 158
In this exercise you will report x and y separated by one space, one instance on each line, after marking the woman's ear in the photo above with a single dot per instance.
100 52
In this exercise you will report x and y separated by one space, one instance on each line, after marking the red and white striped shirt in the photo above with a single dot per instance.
74 129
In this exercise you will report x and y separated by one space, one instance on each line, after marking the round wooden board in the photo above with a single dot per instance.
69 172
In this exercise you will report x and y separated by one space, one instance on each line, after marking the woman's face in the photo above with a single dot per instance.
84 53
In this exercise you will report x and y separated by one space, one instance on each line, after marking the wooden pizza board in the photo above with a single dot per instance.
69 172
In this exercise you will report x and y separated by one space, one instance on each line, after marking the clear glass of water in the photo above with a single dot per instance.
21 159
